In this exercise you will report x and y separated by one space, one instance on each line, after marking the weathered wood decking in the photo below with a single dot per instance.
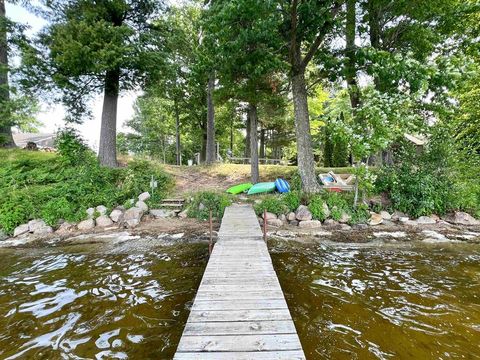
239 312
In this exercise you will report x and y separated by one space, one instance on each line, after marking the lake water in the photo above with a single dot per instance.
403 301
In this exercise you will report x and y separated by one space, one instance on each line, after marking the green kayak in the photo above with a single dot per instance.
240 188
263 187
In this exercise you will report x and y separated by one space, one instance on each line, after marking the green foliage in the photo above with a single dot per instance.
316 207
272 203
360 215
292 200
42 185
71 147
205 201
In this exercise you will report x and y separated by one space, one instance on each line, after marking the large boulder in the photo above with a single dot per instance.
385 215
274 222
309 224
162 213
34 225
426 220
116 215
269 216
84 225
344 218
144 196
291 216
90 212
282 218
21 230
101 210
331 224
104 221
326 210
42 231
65 228
375 219
141 205
462 218
303 214
133 216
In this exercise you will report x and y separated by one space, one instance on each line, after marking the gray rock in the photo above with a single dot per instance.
141 205
269 216
291 216
326 210
397 215
104 221
3 236
385 215
144 196
275 222
102 210
426 220
34 225
285 234
410 223
359 226
162 213
303 214
44 230
375 219
90 212
310 224
462 218
117 215
294 222
282 218
345 227
388 223
344 218
133 216
20 230
331 224
88 224
403 219
183 214
65 228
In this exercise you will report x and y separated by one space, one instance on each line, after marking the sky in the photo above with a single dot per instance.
52 117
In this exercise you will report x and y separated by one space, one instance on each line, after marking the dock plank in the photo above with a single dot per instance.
239 311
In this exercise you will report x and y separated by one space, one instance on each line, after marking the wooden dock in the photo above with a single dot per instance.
239 312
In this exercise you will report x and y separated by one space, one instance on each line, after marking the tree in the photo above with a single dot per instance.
211 147
245 58
6 139
93 46
305 26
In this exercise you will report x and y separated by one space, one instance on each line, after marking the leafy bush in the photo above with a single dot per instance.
271 203
205 201
292 200
360 215
71 147
42 185
316 207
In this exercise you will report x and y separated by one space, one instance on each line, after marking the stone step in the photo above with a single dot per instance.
173 200
169 205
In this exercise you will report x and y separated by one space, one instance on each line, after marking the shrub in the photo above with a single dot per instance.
72 148
271 203
216 202
42 185
316 207
360 215
292 200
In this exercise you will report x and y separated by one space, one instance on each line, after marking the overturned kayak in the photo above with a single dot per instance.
282 185
240 188
263 187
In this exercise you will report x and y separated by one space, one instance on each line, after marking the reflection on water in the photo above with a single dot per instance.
74 306
367 302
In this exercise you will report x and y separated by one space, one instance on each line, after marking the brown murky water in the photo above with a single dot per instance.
383 302
71 304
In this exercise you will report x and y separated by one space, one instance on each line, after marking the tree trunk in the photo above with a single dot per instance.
6 139
211 151
107 153
350 52
178 145
374 34
253 116
262 143
247 138
306 163
232 124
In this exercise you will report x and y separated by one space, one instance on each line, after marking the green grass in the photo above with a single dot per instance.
43 185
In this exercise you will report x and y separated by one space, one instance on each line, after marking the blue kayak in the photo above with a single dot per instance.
282 186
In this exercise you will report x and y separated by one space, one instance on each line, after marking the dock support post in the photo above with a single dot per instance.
210 244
